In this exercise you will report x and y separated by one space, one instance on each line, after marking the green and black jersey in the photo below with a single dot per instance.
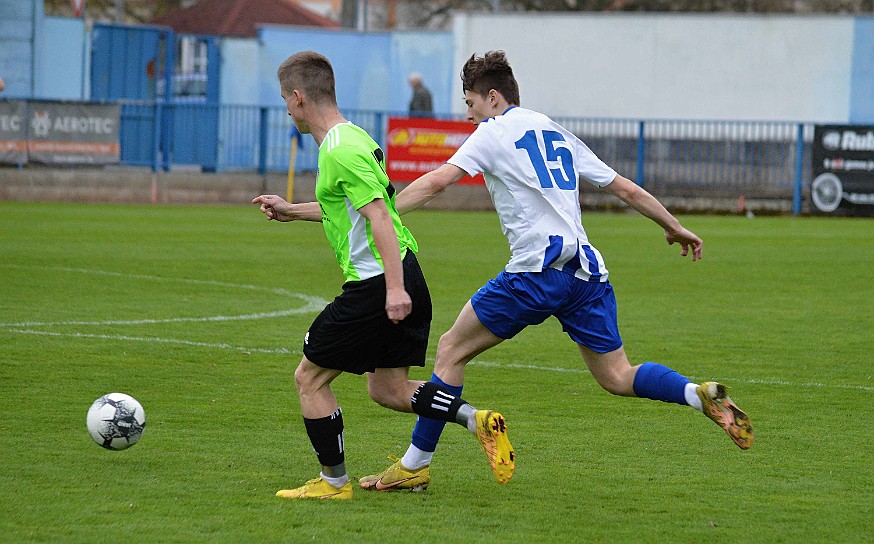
352 175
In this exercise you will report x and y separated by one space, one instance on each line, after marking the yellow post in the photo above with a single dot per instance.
291 158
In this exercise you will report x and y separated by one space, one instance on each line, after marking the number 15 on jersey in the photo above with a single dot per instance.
564 178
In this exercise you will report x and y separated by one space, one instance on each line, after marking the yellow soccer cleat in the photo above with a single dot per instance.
491 431
397 477
719 407
317 489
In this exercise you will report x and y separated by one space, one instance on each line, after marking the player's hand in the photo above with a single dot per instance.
687 240
398 304
274 207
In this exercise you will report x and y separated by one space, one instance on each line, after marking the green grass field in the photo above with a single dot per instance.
199 313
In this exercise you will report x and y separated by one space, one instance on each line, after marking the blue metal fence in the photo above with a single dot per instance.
668 157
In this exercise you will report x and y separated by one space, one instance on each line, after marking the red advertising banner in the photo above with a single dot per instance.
417 146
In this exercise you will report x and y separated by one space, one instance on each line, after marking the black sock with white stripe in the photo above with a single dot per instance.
435 402
326 436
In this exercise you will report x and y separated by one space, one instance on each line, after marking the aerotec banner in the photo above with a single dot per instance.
74 133
13 133
417 146
843 169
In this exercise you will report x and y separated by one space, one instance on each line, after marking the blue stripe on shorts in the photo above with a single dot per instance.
586 310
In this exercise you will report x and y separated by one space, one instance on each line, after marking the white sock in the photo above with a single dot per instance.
692 396
336 482
415 458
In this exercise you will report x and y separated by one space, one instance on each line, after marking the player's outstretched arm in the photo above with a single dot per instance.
427 186
276 208
647 205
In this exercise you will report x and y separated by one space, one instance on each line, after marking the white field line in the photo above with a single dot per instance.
157 340
273 290
313 304
284 351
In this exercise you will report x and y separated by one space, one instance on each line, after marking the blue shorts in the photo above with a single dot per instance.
586 310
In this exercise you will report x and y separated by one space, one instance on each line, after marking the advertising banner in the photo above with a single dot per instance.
13 133
843 169
73 133
416 146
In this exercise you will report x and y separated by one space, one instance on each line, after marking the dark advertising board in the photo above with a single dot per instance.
73 133
843 169
13 132
59 132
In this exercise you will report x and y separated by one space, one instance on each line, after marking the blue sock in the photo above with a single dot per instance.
427 431
658 382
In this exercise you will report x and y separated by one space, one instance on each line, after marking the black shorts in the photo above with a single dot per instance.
354 334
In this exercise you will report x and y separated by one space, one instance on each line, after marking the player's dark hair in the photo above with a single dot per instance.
311 73
490 71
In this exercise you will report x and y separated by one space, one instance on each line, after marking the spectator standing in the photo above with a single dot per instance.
420 105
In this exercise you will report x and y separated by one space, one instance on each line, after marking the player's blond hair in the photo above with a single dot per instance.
310 73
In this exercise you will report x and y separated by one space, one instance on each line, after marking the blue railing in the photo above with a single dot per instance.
668 157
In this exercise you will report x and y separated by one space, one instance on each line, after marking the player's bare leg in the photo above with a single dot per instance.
392 388
467 338
611 370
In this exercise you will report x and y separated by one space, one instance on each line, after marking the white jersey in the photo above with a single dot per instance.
532 166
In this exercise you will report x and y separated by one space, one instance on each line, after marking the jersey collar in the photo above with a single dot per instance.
505 112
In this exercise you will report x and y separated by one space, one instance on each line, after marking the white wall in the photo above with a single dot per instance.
671 66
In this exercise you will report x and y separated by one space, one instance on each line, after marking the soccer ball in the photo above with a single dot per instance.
116 421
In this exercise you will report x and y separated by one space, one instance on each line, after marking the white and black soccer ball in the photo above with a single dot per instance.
116 421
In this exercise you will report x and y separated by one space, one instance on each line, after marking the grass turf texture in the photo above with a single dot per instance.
100 298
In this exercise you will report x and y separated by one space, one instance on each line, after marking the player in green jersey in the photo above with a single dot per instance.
379 325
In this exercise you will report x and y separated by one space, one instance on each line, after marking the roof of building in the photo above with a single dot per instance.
240 18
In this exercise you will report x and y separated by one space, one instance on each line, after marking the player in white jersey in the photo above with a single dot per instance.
532 167
538 206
